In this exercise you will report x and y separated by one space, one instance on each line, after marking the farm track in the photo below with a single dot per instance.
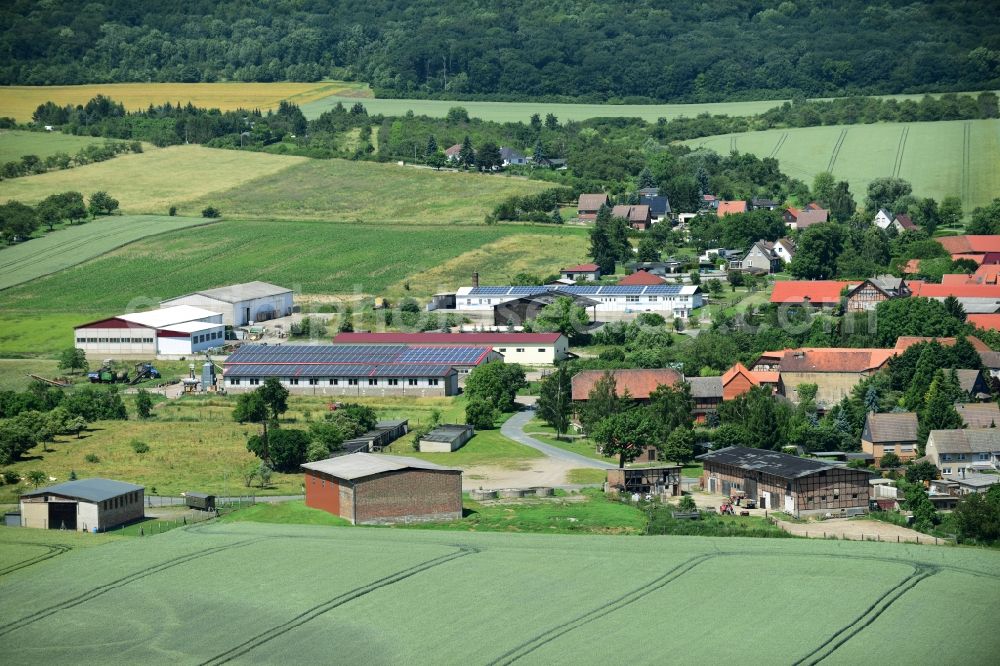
54 550
966 182
121 582
837 145
526 648
339 600
777 146
871 614
732 144
897 164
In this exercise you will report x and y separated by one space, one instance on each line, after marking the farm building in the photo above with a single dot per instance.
519 310
526 348
446 438
240 304
706 396
371 489
738 380
817 293
981 249
355 370
834 370
382 435
797 486
890 433
638 383
84 505
646 480
867 295
956 451
666 299
172 332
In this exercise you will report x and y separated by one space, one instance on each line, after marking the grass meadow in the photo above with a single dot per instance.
15 144
19 102
384 596
946 158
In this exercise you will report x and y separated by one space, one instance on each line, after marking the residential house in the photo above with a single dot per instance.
509 156
979 414
955 451
883 219
709 202
453 153
731 208
638 216
706 396
902 222
763 204
785 249
762 257
637 383
641 278
659 205
816 293
589 205
974 384
588 272
867 295
890 433
803 218
778 481
738 380
669 266
981 249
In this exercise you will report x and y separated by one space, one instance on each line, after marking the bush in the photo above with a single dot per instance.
687 504
172 211
211 212
10 477
92 458
480 414
139 446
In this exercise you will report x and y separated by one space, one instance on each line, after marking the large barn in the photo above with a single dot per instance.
526 348
240 304
171 332
670 300
85 505
374 489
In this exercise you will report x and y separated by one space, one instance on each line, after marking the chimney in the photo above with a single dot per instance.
963 472
475 279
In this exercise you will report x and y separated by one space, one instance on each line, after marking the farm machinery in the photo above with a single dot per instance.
107 374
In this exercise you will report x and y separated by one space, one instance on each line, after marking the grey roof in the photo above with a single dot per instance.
705 387
990 359
978 480
979 414
892 427
362 465
90 490
391 423
447 432
982 440
510 154
887 282
239 292
967 378
769 462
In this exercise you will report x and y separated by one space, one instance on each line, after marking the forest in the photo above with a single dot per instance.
628 51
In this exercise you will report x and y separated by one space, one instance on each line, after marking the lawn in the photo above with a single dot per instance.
229 593
78 243
487 447
19 102
284 513
15 144
151 182
946 158
14 372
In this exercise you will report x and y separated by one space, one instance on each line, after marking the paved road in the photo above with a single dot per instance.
513 428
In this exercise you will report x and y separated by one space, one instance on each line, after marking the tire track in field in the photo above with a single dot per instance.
897 163
53 551
836 149
121 582
966 176
341 599
529 646
779 145
882 604
732 144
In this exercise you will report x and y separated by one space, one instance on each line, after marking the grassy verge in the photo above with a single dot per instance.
586 475
283 513
662 522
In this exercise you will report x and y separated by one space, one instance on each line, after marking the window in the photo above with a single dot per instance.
888 449
352 382
254 381
102 339
372 381
810 498
854 496
411 381
652 299
984 456
631 299
313 381
520 350
502 349
334 382
822 498
945 456
432 382
294 381
541 350
393 382
961 456
81 340
235 381
468 301
946 470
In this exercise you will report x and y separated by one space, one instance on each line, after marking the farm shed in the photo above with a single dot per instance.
85 505
446 438
383 434
171 332
797 486
526 348
670 300
519 310
240 304
365 488
646 480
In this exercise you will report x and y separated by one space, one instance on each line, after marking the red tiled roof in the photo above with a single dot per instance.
834 359
708 197
641 278
731 207
970 244
639 383
978 258
987 322
807 218
904 342
955 278
818 291
445 338
581 268
986 274
928 290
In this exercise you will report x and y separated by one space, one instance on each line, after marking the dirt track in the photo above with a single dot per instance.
857 530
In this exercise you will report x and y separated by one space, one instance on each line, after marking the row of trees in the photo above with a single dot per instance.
19 221
30 165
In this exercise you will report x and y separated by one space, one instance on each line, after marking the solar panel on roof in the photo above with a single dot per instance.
663 289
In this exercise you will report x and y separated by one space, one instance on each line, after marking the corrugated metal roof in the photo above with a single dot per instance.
769 462
239 292
90 490
177 314
361 465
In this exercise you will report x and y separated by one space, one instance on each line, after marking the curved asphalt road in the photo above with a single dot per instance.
513 428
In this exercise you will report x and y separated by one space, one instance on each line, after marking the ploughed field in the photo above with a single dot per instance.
257 593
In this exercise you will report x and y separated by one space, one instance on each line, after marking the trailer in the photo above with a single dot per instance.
200 501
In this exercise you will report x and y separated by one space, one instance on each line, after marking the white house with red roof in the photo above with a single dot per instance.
524 348
588 272
172 332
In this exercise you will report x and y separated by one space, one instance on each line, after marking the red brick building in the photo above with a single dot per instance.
371 489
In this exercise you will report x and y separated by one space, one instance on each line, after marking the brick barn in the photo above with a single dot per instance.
370 489
778 481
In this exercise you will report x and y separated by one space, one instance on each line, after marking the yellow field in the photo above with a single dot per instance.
19 102
151 182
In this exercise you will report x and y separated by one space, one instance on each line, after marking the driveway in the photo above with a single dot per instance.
513 429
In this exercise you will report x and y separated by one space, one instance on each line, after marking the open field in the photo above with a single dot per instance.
78 243
14 372
153 181
946 158
19 102
15 144
369 192
229 594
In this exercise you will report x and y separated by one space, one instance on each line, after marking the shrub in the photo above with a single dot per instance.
92 458
687 504
480 414
172 211
10 477
139 446
211 212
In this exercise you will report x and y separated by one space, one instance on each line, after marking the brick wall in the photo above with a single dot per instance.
329 494
409 495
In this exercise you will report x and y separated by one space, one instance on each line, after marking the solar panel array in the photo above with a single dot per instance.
349 360
507 291
331 370
582 290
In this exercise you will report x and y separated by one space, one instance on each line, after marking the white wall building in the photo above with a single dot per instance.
666 299
240 304
523 348
178 331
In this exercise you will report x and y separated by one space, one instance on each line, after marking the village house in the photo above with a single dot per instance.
731 208
901 221
977 415
803 218
453 153
637 383
738 380
659 205
706 396
589 205
765 257
637 216
955 452
588 272
708 202
511 157
764 204
890 433
815 293
641 278
867 295
980 249
669 266
778 481
834 371
669 300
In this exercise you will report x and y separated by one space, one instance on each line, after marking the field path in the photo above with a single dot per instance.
857 530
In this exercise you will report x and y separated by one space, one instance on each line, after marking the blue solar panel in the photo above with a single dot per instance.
489 291
527 291
278 357
663 289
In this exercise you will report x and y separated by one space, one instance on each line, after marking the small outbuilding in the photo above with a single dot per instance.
371 489
85 505
646 480
446 438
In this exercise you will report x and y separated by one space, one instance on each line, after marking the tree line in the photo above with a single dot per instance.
18 221
30 165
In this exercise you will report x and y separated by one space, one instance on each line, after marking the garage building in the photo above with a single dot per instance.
525 348
84 505
241 304
371 489
171 332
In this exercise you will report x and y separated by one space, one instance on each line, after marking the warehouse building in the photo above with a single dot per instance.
370 489
669 300
171 332
240 304
85 505
778 481
353 370
525 348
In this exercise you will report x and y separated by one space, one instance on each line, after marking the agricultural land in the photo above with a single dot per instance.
447 590
940 159
15 144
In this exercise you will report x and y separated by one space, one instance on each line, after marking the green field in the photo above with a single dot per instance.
220 592
76 244
946 158
15 144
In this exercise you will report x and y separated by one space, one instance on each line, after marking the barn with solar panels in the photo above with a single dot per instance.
669 300
354 370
